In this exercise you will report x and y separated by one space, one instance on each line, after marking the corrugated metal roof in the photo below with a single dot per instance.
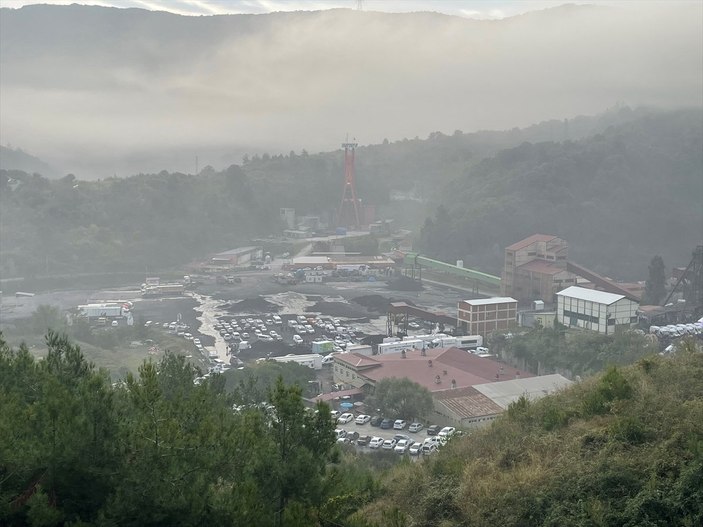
490 301
467 403
530 240
239 250
505 392
541 266
591 295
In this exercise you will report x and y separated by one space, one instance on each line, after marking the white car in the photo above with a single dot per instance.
415 449
399 424
388 444
340 433
345 418
415 427
362 419
335 414
402 446
376 442
297 339
447 431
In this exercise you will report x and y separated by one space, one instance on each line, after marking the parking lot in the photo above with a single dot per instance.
376 431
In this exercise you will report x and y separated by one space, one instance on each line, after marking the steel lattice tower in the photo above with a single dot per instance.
348 214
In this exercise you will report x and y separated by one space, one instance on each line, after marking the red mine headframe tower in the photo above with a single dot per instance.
349 208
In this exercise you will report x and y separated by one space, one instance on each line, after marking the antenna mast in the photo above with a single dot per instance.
349 207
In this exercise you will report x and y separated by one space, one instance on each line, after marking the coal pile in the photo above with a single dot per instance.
377 303
253 305
403 283
337 309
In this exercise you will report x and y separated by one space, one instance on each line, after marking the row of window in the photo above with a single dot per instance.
573 315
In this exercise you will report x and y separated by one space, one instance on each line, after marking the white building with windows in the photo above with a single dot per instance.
595 310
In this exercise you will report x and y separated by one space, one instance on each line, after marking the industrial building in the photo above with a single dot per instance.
484 315
537 267
595 310
468 391
478 405
435 369
238 257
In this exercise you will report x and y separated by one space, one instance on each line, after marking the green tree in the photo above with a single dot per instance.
655 286
401 398
47 317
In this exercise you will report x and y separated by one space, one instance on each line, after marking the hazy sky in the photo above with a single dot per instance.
480 9
123 92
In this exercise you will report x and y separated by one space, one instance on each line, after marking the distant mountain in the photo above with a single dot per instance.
104 91
619 197
17 159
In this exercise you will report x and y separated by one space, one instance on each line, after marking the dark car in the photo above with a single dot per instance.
363 440
376 420
433 430
386 424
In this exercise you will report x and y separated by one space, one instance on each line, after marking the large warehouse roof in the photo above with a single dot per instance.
591 295
505 392
490 301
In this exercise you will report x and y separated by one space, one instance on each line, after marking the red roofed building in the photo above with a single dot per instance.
435 369
535 268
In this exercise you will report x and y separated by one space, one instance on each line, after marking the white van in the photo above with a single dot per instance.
244 345
277 319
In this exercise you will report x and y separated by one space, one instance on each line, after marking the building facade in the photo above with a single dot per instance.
535 268
595 310
485 315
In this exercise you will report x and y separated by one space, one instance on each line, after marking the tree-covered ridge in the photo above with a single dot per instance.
622 449
618 197
628 192
153 221
156 449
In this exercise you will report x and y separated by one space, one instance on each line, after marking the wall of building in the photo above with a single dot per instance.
485 318
594 316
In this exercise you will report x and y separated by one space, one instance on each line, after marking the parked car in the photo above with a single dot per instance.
297 339
362 419
399 424
447 431
376 442
389 444
335 414
402 446
345 418
339 433
386 424
363 440
415 427
376 420
415 449
400 437
429 448
352 436
433 430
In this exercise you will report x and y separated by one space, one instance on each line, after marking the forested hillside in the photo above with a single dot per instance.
628 188
618 197
621 449
146 221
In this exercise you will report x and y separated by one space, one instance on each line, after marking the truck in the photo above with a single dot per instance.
312 360
163 289
397 347
323 347
469 342
444 342
106 310
360 349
